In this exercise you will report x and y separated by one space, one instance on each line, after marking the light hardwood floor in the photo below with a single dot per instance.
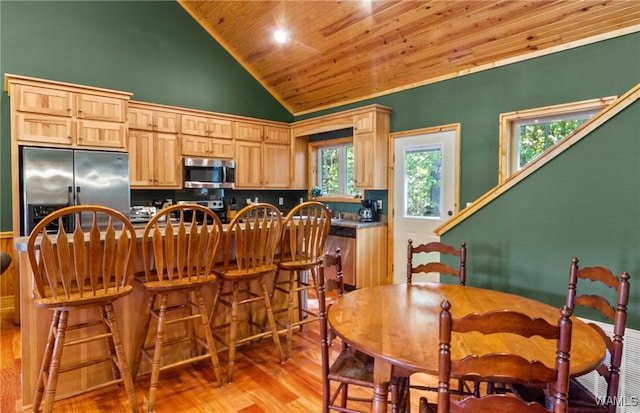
261 384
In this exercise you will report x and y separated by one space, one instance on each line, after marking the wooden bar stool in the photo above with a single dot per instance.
250 244
304 233
80 271
179 261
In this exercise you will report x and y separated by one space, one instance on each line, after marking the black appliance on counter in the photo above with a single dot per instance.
216 205
369 210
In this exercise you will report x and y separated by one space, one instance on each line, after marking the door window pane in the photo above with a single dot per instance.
423 179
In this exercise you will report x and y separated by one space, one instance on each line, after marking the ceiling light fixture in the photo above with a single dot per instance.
280 36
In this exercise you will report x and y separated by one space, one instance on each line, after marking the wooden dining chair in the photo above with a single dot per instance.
614 308
437 266
305 230
250 244
505 368
179 260
82 272
350 367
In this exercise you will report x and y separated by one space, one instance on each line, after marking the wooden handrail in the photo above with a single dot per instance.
596 121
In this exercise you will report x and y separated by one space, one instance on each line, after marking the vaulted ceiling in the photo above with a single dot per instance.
340 52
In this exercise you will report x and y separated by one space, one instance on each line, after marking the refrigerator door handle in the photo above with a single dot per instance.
70 196
78 201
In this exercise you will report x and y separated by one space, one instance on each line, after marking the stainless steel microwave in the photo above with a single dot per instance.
209 173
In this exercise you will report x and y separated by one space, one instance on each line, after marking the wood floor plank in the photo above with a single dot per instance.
261 383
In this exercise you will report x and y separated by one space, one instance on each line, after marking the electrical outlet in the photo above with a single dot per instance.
379 204
281 201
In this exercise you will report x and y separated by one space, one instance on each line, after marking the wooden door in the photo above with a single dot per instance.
167 159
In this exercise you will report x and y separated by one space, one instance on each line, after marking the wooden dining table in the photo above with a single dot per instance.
398 325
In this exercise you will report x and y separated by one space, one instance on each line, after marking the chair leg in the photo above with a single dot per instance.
141 337
272 321
54 366
233 331
290 306
118 346
211 347
157 353
46 361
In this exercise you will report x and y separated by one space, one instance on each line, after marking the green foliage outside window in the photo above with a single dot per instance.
535 138
423 172
336 170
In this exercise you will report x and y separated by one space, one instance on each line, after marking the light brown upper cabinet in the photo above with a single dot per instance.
370 144
206 136
370 149
154 147
61 114
263 155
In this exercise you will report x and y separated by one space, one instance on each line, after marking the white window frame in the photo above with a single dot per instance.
314 155
508 149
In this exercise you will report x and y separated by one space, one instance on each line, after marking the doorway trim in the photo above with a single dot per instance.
457 128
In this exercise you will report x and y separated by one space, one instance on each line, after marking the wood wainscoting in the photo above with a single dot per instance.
8 279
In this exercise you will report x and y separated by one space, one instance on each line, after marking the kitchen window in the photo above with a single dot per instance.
335 171
525 135
332 166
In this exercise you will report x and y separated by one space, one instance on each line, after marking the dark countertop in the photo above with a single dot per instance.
355 224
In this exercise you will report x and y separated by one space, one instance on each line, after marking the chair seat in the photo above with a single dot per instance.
164 285
582 400
299 265
76 300
236 274
353 364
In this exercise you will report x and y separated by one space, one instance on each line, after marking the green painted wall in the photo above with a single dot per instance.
153 49
584 203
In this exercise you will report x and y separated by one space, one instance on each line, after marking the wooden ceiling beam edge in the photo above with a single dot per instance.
588 127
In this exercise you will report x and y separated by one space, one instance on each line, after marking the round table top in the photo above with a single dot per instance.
399 323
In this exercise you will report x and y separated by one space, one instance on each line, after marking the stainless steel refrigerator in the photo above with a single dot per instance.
55 178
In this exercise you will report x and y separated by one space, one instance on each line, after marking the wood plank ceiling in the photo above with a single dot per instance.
344 51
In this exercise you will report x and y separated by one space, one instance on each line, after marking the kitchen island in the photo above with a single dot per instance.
35 324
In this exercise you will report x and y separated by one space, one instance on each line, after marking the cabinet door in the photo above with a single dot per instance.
140 118
194 125
362 160
363 123
168 167
274 134
220 128
100 108
166 122
248 131
196 146
101 134
277 159
32 127
42 100
248 164
221 148
141 158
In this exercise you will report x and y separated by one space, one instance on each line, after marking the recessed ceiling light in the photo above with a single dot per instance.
280 36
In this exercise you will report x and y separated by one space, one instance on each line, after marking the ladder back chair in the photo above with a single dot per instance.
504 368
179 262
250 244
305 230
435 266
581 399
86 270
350 367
